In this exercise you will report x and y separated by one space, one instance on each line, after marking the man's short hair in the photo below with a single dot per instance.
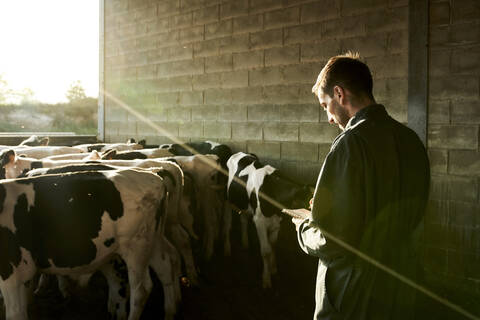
348 72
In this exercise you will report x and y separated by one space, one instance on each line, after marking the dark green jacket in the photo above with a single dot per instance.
370 197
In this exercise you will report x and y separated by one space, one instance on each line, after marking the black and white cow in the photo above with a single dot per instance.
168 269
149 153
265 193
73 224
40 152
106 146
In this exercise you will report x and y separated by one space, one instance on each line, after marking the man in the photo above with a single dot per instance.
370 197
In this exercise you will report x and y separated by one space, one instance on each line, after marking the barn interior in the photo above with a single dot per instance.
240 73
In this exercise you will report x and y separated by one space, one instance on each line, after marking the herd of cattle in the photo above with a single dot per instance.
71 211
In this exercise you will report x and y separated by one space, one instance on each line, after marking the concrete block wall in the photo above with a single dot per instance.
241 71
453 222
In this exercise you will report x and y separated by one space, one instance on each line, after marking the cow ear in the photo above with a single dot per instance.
142 142
109 154
8 157
131 140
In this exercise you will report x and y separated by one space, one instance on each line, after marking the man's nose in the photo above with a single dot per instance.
331 120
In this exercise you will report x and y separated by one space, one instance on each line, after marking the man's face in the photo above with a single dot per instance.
336 113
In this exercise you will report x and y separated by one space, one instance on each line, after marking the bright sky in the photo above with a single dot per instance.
46 45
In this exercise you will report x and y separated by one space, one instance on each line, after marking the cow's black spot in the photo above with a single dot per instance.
129 155
237 193
167 174
2 173
36 164
11 254
109 242
123 290
65 217
96 147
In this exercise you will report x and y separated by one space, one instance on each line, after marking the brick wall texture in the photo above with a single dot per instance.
452 225
240 72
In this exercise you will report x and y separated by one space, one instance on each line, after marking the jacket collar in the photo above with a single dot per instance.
373 110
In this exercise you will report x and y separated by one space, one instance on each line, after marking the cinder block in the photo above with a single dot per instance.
342 28
191 34
291 94
193 130
266 39
221 130
466 111
178 68
145 43
387 20
299 151
219 63
167 39
159 25
208 47
464 162
397 42
280 131
465 61
438 36
191 98
318 132
465 10
248 60
282 18
352 7
437 212
124 19
234 9
309 173
462 239
264 150
168 7
302 33
438 160
247 131
439 62
161 128
436 235
463 213
454 188
236 113
262 112
267 76
208 112
178 114
439 111
305 73
319 11
189 5
235 79
175 84
282 55
206 81
264 5
236 43
464 33
251 95
391 66
218 96
206 15
218 29
321 50
181 21
453 137
298 112
454 87
250 23
370 46
439 13
126 46
156 112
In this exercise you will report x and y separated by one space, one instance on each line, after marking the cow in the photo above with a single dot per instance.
40 152
94 155
114 271
35 141
264 195
149 153
72 224
106 146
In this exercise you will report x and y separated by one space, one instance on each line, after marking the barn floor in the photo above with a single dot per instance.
230 289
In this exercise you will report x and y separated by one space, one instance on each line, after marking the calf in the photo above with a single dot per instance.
73 224
267 192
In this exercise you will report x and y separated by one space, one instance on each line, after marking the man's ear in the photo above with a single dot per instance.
339 94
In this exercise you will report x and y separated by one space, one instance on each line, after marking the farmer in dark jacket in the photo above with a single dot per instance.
369 200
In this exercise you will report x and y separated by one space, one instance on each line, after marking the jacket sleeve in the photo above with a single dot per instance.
339 202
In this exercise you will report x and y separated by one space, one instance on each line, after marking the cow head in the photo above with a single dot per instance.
14 165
